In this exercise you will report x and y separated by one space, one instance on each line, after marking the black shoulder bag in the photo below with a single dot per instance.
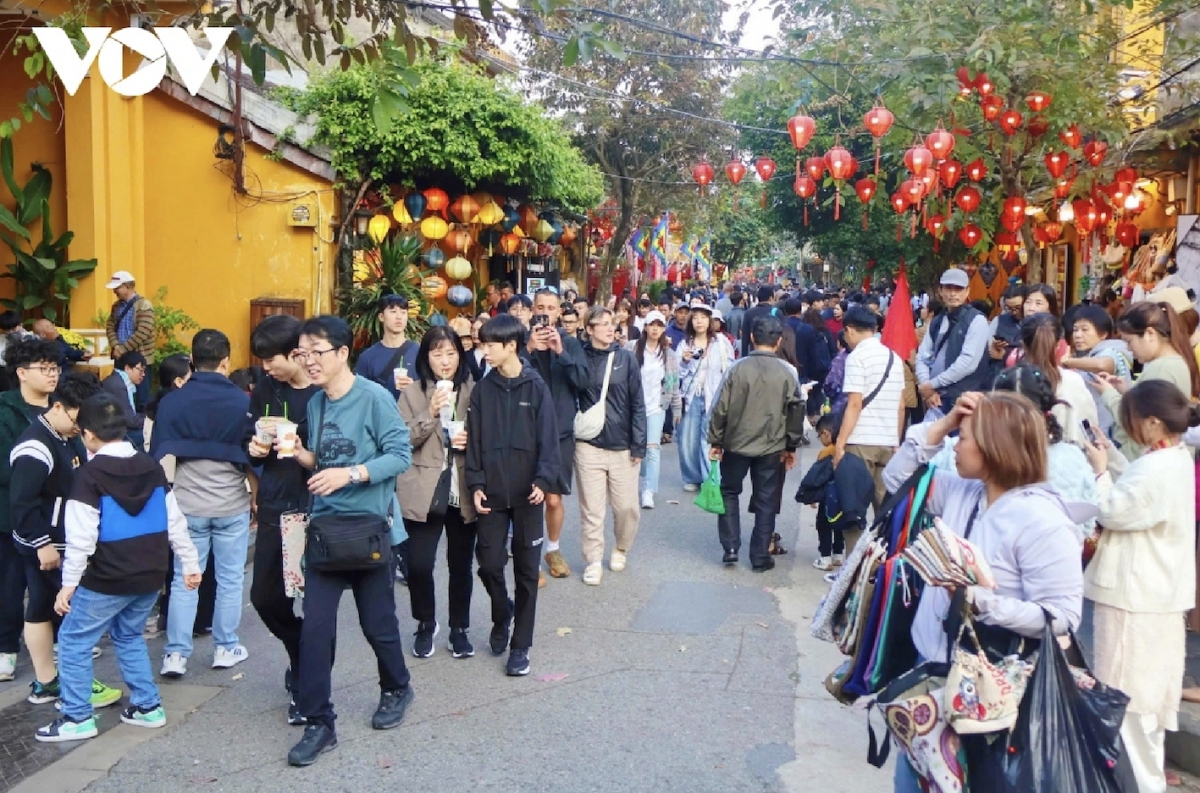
345 543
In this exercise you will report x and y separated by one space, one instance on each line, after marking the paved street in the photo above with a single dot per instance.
676 675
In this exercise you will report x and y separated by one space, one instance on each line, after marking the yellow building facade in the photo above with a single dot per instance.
140 183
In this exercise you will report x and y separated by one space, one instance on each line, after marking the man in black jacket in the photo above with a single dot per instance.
766 294
560 361
512 460
953 356
608 465
128 373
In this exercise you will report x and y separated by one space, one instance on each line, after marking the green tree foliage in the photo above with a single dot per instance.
614 104
462 128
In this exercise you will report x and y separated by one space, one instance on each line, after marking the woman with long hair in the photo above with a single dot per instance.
660 391
1040 299
626 322
1158 340
813 318
434 406
1143 576
999 499
706 355
1042 341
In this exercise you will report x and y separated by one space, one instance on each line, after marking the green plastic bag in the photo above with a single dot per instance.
710 499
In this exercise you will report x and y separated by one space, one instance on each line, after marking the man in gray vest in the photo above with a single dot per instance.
953 355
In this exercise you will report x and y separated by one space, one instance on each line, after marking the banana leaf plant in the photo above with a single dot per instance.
392 268
43 272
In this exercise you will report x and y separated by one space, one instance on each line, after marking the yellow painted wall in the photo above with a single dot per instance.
214 250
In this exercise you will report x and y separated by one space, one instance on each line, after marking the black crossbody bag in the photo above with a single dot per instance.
346 543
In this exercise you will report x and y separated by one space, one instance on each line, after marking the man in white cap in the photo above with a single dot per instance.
130 326
952 358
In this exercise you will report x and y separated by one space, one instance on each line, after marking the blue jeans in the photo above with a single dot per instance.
228 538
905 780
91 614
692 437
654 431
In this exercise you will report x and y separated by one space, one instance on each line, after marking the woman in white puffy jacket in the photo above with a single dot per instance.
1143 576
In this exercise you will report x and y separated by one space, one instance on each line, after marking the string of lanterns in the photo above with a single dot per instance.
930 189
454 227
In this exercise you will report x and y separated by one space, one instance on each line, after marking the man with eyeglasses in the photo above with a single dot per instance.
128 373
33 364
1006 327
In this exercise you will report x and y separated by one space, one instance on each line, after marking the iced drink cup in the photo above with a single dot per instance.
286 431
398 373
264 430
456 428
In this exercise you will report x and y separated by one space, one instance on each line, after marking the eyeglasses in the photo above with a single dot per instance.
304 356
47 370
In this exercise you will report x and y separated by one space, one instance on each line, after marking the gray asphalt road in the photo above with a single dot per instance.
676 675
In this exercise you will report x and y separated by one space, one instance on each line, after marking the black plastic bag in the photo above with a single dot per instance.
1067 738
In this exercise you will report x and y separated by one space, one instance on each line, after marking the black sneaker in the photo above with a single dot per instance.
288 680
392 705
295 717
499 638
518 663
318 739
423 644
460 645
765 566
730 557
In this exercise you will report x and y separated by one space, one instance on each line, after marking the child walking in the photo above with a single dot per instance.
512 458
842 508
120 520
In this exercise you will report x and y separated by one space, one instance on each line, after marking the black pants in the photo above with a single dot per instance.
668 423
527 523
375 596
268 596
829 539
12 594
423 541
816 400
765 480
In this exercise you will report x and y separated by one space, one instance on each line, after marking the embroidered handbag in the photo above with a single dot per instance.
293 527
981 695
912 708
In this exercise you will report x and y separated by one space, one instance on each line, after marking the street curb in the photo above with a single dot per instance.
1183 747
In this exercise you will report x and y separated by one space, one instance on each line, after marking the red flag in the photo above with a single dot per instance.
899 330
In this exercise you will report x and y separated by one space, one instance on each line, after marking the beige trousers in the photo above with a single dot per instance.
604 477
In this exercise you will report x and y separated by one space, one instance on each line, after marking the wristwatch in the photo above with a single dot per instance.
355 475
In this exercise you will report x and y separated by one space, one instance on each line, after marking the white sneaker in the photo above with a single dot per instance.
690 488
593 573
174 665
839 559
8 666
823 563
647 500
223 659
617 562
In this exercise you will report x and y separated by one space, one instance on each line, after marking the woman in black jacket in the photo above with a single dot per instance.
607 466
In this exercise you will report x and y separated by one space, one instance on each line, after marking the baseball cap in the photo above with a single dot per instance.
716 314
118 278
955 277
680 305
700 305
655 316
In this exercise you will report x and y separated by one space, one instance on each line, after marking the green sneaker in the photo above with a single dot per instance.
139 717
103 696
43 693
64 729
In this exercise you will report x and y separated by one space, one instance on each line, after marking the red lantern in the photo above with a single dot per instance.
985 85
765 167
1057 162
703 173
815 167
899 202
465 208
930 180
1053 230
801 129
918 159
734 171
968 199
1086 216
934 225
805 187
977 170
940 142
1013 214
965 83
1007 243
1062 188
437 200
1071 136
840 162
866 191
992 106
1103 215
1127 234
950 171
970 234
913 191
1038 101
1095 151
1125 174
1038 126
1011 121
1120 191
878 121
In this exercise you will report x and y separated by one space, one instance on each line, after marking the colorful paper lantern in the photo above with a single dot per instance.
400 213
489 214
434 287
542 231
1127 234
950 172
815 167
512 219
1062 187
968 199
801 129
465 208
1038 126
1071 136
703 173
970 235
460 296
1086 216
865 188
805 186
437 201
510 244
940 142
918 159
434 228
567 237
1095 151
1126 174
992 107
459 239
435 258
734 171
984 84
529 218
765 167
1011 121
458 268
378 228
1038 101
878 121
1057 162
415 203
977 170
899 202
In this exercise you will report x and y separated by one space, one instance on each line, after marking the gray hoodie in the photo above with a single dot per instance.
1028 537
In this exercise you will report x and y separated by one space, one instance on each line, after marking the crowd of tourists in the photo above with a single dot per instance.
1052 436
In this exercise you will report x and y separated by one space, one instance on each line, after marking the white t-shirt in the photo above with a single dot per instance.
653 372
879 422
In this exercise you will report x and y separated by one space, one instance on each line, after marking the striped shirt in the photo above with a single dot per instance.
879 422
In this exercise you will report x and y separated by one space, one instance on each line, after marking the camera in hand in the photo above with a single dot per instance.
698 352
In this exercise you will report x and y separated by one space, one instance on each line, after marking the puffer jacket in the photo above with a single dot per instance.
415 486
625 410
